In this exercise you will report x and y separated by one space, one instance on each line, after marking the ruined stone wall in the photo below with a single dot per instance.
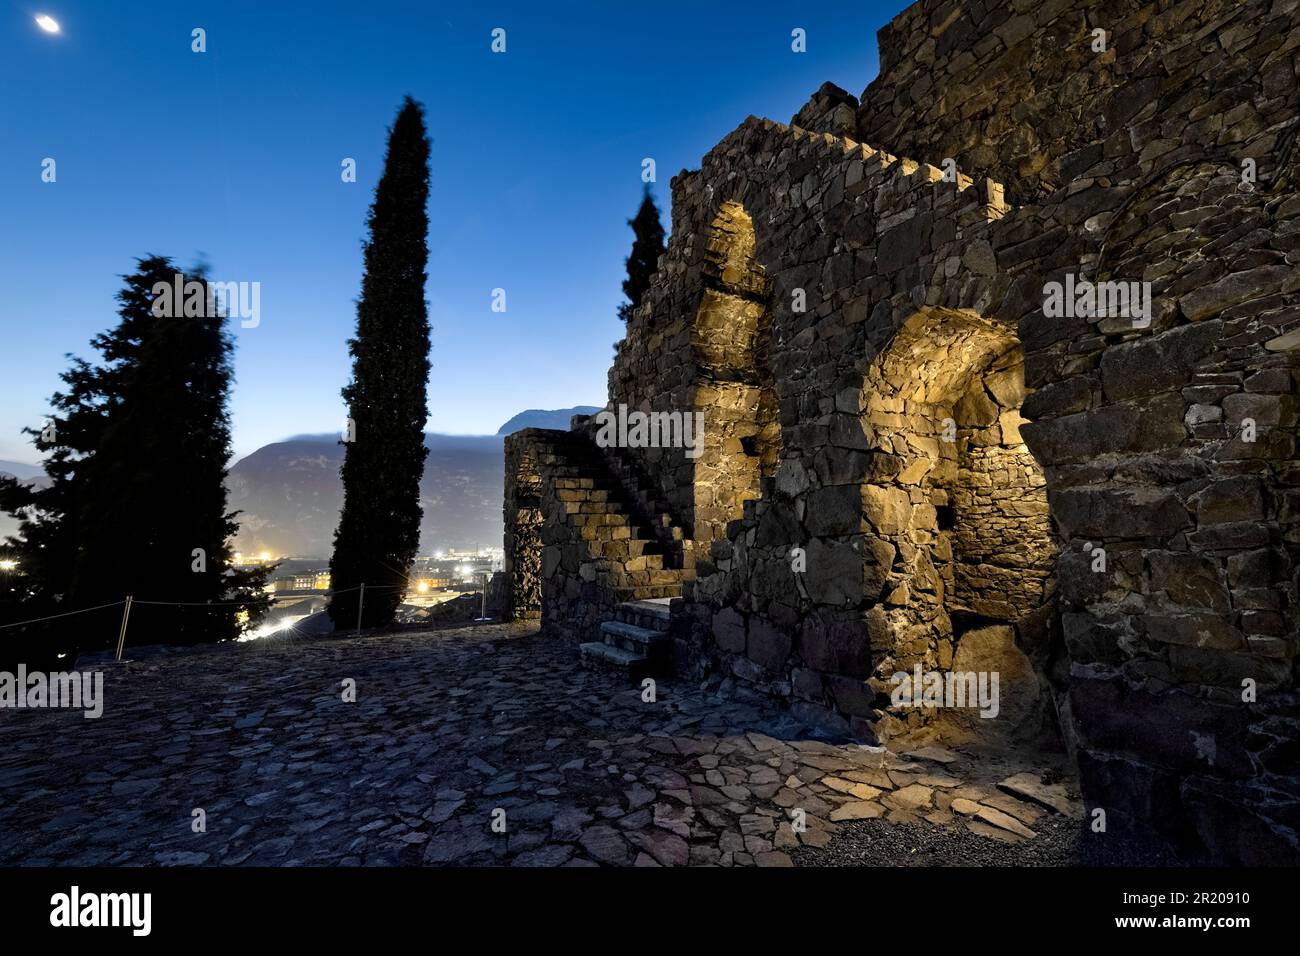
820 207
1166 447
1017 92
719 368
655 366
521 592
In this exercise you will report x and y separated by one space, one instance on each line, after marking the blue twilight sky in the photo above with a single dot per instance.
234 155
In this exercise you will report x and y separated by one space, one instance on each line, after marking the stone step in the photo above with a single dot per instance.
604 656
653 615
616 577
662 575
630 637
644 592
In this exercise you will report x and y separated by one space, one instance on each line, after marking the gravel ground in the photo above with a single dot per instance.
1060 842
880 843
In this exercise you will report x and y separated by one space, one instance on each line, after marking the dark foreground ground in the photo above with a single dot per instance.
452 729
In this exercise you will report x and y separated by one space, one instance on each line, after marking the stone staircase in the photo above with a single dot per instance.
635 558
635 642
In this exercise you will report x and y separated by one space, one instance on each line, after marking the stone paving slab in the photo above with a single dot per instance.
450 732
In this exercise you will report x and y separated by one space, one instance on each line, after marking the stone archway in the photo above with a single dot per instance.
731 340
961 501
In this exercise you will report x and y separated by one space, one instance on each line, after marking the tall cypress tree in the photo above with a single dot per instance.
379 527
647 247
136 460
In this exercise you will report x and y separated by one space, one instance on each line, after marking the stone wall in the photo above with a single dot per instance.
1015 90
1004 551
1165 448
521 593
719 367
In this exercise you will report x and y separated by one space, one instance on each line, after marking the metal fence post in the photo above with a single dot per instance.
361 603
121 635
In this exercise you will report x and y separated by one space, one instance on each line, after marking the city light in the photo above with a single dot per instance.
8 564
264 556
422 587
47 23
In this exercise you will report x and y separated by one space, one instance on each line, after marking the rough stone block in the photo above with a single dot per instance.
729 630
1156 425
768 646
835 510
1119 512
1158 364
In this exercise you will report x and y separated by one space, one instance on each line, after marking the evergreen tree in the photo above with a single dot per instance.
647 247
136 454
379 527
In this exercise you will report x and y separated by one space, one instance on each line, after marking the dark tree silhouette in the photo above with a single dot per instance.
136 455
647 247
379 527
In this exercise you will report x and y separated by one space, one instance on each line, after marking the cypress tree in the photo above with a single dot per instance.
647 247
379 526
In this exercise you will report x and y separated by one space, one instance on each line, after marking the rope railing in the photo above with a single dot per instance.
129 601
51 617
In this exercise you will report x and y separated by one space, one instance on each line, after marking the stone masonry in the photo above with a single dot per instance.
912 459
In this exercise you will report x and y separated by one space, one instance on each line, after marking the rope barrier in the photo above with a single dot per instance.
211 604
196 603
84 610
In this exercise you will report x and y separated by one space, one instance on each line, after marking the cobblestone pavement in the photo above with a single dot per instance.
447 728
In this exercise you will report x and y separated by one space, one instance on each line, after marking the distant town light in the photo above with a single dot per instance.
47 23
265 556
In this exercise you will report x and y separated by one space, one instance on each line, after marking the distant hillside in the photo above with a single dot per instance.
546 418
290 494
32 474
21 471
